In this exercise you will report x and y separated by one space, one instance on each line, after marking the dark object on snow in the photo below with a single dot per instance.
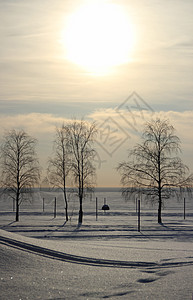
105 207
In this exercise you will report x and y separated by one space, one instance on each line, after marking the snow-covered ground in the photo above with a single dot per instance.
41 257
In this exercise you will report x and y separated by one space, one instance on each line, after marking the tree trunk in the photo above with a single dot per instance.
159 208
80 192
159 188
66 210
80 219
66 206
18 188
17 208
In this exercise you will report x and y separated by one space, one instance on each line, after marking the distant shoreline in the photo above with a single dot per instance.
96 189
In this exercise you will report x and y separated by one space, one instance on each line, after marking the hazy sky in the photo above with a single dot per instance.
59 60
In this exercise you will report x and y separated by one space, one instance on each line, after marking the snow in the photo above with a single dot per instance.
41 257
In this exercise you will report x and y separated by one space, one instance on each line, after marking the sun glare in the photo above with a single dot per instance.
98 37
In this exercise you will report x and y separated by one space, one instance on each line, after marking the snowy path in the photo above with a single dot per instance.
42 248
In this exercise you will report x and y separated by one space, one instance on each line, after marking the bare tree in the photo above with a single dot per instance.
154 166
59 164
20 166
81 136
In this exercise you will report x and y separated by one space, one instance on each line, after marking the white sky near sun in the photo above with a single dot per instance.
43 79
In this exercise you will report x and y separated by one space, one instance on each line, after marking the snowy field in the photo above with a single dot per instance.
41 257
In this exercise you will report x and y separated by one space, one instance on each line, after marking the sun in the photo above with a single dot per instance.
98 36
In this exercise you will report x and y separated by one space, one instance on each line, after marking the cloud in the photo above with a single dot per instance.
183 43
132 122
40 126
33 123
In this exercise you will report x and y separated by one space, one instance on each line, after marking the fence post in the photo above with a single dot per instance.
138 215
184 208
96 209
43 204
55 208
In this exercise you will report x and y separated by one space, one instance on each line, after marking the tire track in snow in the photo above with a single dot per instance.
74 258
